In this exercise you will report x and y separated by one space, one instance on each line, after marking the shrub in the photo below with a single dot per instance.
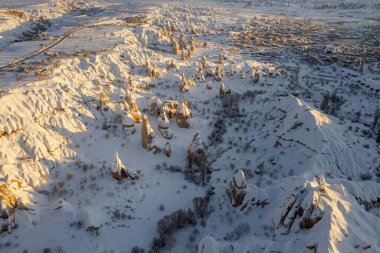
172 223
307 223
137 250
238 231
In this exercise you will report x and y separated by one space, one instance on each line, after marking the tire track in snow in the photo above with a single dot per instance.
45 48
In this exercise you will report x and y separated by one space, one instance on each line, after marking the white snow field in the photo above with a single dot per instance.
262 132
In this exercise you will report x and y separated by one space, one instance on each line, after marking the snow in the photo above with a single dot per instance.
239 179
183 109
310 174
163 121
128 121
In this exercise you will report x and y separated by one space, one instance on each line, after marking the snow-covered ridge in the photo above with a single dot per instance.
14 16
39 119
303 180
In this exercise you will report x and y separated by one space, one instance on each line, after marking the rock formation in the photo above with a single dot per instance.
237 189
163 126
134 109
197 157
128 123
228 98
182 42
192 45
222 90
218 73
209 85
183 114
175 48
167 150
132 84
255 76
155 106
120 172
204 61
147 134
170 108
200 74
104 99
184 84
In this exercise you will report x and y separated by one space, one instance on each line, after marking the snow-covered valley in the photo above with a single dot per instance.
209 127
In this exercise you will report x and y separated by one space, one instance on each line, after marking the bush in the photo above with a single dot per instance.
137 250
175 221
172 223
240 230
366 176
307 223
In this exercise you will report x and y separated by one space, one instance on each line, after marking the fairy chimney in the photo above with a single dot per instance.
129 98
163 121
104 99
172 65
170 108
192 31
227 100
192 40
163 126
175 48
6 224
147 62
204 62
118 169
132 84
192 46
191 81
237 189
149 70
167 150
183 57
218 73
120 106
183 115
220 58
256 76
98 85
197 156
189 53
108 87
134 109
147 133
155 106
120 172
156 72
128 123
222 90
182 43
200 74
200 69
209 86
184 84
8 206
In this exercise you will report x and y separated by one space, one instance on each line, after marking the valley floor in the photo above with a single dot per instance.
280 98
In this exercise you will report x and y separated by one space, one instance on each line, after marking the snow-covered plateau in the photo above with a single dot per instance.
246 126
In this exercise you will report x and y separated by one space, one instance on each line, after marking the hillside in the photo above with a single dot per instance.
209 127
